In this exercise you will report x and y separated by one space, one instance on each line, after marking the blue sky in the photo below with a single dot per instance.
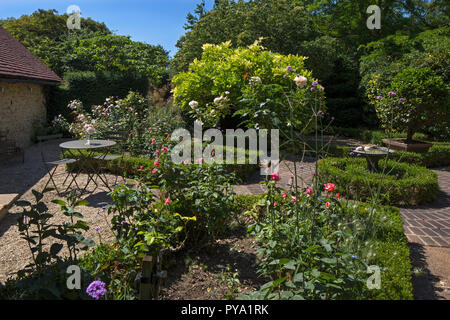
151 21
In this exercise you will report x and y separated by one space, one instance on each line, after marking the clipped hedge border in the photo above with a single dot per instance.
370 135
415 185
393 255
129 167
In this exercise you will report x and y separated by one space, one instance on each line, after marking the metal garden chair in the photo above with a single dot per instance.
49 164
120 137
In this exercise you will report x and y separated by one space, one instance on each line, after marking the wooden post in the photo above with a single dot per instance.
145 290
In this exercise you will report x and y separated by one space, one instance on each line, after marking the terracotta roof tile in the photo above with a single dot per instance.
17 62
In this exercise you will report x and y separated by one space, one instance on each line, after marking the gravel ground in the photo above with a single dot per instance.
22 178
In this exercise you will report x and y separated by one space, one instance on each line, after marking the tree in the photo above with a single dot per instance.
120 54
45 34
416 69
416 98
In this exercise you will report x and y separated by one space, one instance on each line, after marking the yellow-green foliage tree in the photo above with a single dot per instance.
242 85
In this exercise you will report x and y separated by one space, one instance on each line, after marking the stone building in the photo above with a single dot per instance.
23 78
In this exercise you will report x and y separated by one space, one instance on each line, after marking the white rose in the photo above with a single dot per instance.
90 130
300 81
193 104
217 100
256 79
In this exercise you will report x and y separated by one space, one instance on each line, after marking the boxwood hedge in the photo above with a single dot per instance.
397 183
129 166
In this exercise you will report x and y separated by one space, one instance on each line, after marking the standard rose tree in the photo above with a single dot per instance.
416 98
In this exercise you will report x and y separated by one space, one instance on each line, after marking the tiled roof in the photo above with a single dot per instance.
17 62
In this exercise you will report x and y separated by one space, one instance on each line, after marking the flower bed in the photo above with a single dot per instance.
402 183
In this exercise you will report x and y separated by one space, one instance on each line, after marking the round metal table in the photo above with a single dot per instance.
82 144
75 149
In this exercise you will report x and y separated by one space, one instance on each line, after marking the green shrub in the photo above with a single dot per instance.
416 98
224 80
402 183
416 69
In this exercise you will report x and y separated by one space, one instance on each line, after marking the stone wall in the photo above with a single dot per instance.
21 105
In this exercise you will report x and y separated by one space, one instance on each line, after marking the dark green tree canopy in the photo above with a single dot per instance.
93 48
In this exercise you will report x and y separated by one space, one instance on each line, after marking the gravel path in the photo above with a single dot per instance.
18 178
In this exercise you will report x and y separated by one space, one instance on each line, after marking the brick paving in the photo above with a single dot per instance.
305 170
429 224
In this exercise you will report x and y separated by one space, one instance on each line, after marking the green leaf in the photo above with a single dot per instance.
60 202
82 203
279 281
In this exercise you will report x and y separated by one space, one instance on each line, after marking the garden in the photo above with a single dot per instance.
326 224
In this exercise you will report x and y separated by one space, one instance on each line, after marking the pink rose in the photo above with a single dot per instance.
275 177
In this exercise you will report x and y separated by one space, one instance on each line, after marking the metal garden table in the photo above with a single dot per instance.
76 147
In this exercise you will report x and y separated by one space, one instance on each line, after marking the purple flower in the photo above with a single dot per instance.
359 154
96 289
346 172
124 222
354 256
96 229
302 167
352 154
289 68
391 93
314 83
402 100
332 118
350 187
378 97
312 89
310 120
284 76
104 207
